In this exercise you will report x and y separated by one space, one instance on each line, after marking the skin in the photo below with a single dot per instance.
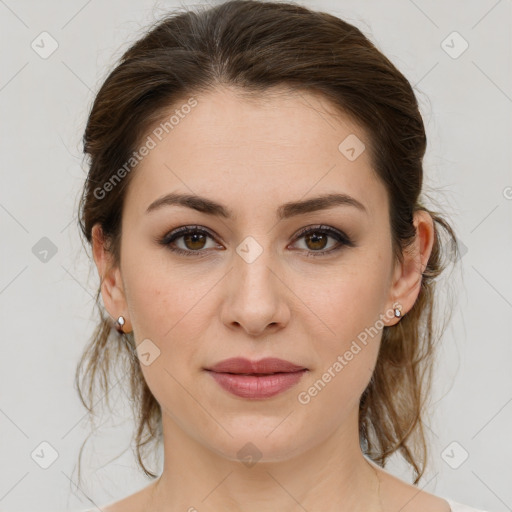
252 156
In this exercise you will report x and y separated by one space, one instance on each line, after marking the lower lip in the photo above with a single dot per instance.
253 386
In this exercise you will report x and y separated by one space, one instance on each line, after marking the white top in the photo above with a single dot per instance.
459 507
455 506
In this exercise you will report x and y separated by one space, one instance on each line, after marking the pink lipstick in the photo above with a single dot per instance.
256 379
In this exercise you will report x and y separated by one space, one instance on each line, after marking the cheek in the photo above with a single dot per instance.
168 306
345 363
169 314
345 301
346 329
163 298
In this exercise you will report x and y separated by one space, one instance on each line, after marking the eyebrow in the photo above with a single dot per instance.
285 211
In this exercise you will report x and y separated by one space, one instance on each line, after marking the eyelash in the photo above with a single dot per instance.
339 236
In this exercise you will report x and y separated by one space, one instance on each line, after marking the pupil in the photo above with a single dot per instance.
315 238
195 238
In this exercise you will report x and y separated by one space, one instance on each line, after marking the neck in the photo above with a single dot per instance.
333 475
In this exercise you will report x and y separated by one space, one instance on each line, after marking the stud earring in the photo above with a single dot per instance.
119 324
398 311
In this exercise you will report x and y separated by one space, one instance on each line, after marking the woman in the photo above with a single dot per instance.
253 206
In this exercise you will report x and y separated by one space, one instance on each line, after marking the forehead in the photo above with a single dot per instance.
278 145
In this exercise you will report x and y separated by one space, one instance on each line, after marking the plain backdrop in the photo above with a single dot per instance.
456 54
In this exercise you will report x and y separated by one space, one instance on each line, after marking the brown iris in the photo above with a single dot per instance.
194 240
316 238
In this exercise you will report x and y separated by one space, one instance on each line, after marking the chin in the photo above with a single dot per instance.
256 443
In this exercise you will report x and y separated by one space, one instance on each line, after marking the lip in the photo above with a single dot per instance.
266 365
256 379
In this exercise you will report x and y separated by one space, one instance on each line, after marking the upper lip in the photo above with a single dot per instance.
263 366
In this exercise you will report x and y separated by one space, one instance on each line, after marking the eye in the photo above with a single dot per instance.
316 239
193 238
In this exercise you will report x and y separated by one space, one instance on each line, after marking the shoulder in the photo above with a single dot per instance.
132 503
399 495
408 498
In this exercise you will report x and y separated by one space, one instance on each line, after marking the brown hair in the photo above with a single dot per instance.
254 46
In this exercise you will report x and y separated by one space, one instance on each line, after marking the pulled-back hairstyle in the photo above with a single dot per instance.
255 47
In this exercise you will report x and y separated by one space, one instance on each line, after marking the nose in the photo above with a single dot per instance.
257 296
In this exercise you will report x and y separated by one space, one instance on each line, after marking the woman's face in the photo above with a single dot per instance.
249 284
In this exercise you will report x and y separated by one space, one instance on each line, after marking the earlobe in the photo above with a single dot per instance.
409 274
112 290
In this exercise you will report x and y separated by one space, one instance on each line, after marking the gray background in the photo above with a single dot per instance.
46 299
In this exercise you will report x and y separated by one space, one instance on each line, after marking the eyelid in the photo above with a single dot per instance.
321 227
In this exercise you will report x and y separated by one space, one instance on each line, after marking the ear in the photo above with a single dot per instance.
112 289
407 277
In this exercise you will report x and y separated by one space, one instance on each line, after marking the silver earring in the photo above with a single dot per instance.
119 324
398 313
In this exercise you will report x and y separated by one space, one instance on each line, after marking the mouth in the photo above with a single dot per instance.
256 379
266 366
255 374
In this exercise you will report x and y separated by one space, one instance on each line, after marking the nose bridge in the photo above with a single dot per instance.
257 293
253 267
